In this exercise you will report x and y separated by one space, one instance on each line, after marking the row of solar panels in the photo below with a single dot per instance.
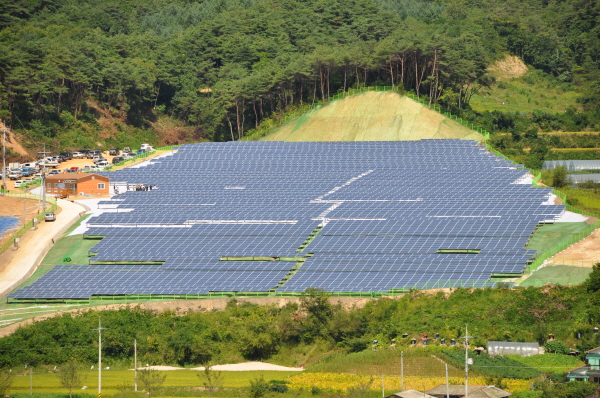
466 201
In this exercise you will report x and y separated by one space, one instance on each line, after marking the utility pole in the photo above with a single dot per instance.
382 386
402 371
4 157
467 337
44 154
135 365
447 387
100 329
30 381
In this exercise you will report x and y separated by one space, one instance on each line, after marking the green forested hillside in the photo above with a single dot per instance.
222 66
300 334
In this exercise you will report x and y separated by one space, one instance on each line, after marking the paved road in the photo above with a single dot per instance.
17 265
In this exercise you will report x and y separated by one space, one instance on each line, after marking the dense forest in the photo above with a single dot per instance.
222 66
299 333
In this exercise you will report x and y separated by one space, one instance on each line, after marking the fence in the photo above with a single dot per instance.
29 224
141 156
564 244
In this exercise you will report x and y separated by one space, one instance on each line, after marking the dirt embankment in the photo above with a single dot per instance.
510 67
372 116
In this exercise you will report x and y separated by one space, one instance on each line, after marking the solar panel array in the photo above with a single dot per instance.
344 217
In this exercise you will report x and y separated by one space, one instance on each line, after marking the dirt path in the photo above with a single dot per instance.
17 265
584 253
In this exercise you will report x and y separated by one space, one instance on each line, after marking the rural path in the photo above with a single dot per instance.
17 265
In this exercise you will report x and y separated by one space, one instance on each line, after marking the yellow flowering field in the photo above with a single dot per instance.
340 382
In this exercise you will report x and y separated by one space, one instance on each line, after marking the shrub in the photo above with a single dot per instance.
556 347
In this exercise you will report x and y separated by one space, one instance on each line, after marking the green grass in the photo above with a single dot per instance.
557 274
526 94
549 235
549 363
583 199
417 362
114 380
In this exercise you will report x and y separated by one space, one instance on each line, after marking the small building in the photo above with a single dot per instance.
474 391
513 348
591 371
77 184
409 394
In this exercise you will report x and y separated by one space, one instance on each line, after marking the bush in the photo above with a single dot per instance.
258 387
556 347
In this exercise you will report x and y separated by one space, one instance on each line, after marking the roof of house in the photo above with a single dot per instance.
593 351
75 176
579 371
410 394
474 391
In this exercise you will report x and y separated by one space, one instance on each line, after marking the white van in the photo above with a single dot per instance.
89 167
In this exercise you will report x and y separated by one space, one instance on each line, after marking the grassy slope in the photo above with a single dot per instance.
550 235
417 362
526 94
372 116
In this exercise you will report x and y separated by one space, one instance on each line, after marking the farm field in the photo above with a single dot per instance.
114 381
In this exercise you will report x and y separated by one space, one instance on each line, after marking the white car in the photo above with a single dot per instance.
102 163
19 183
77 155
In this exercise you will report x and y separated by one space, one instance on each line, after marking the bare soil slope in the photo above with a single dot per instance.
372 116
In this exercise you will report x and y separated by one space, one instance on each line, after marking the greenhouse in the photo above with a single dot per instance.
573 166
513 348
577 179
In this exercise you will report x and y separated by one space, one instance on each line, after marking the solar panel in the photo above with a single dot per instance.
342 216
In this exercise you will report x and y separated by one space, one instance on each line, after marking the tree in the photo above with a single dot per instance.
70 376
560 178
592 284
211 380
6 378
258 387
151 379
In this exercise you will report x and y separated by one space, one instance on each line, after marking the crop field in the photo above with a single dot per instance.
417 362
341 382
114 381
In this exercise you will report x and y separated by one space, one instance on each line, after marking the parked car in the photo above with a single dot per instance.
127 150
53 172
74 169
66 155
89 167
114 152
117 159
15 174
102 163
19 183
98 159
95 152
27 172
77 155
